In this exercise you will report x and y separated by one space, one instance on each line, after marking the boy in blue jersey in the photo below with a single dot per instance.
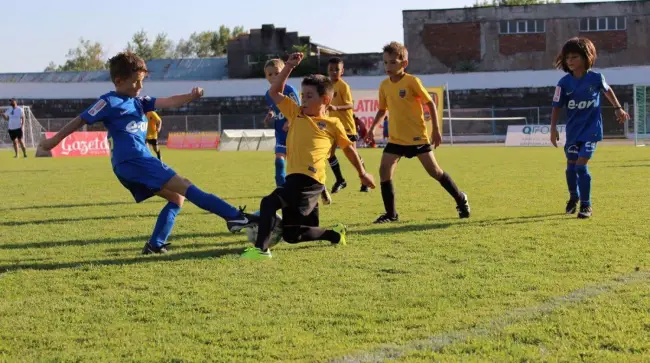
123 113
271 70
579 91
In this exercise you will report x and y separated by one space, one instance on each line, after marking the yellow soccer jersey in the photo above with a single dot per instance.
403 100
310 140
343 96
152 127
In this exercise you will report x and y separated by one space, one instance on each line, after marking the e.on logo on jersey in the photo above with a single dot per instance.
572 105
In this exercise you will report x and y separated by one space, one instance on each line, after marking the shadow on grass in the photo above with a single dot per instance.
401 227
195 255
76 219
631 166
85 242
108 204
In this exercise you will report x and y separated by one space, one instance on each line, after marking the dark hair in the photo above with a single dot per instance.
336 60
582 46
396 48
125 64
323 84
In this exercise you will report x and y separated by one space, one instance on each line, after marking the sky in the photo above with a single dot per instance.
42 31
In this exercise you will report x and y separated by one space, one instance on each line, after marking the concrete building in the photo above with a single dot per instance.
529 37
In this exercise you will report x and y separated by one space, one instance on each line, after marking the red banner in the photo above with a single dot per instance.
81 144
193 140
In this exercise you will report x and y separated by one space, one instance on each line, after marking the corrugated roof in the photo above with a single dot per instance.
198 69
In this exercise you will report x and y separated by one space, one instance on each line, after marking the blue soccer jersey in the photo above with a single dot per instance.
581 97
125 119
278 117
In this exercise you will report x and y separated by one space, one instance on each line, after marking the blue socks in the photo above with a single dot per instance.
572 181
211 203
280 171
164 225
584 184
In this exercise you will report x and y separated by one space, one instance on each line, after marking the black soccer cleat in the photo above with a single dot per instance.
338 186
150 250
463 208
585 212
385 218
241 221
364 189
571 206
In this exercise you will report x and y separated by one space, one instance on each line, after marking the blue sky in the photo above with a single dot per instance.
47 29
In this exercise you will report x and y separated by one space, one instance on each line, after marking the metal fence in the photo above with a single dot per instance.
491 127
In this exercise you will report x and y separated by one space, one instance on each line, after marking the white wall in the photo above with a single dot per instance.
257 87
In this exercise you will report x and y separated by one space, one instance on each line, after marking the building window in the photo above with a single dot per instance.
602 23
521 26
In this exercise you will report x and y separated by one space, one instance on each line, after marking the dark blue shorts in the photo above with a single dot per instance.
580 149
143 177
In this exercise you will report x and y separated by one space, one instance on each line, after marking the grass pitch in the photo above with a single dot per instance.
519 281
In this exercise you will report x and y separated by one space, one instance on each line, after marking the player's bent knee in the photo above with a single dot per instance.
291 234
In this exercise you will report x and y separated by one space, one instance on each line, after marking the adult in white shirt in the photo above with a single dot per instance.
15 126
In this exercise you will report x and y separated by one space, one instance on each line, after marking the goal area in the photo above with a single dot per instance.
641 119
33 130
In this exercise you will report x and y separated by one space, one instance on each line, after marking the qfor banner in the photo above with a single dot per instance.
366 105
533 135
82 144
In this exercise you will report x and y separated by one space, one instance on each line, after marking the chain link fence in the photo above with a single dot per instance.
532 115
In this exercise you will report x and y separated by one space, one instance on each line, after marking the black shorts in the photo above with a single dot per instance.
407 151
299 196
16 134
152 142
353 138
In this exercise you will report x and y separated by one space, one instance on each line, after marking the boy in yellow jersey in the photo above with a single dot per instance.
403 94
309 141
153 128
341 108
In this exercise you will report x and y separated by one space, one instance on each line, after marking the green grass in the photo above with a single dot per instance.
73 286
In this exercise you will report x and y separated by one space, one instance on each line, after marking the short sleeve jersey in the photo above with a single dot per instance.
403 100
125 119
278 117
310 140
581 98
343 96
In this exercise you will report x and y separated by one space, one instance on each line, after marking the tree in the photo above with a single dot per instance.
140 44
207 43
87 56
486 3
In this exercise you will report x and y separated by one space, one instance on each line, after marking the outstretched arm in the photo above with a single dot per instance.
69 128
179 100
277 87
352 155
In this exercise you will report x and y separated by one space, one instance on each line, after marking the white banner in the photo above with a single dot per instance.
533 135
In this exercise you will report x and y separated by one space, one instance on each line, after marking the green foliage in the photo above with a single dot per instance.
518 282
90 56
87 56
488 3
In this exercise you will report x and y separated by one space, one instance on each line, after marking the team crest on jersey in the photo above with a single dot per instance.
321 125
97 107
402 93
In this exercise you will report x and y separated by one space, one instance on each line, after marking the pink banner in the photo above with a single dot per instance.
81 144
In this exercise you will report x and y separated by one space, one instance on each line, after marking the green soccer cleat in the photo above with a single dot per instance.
254 253
342 230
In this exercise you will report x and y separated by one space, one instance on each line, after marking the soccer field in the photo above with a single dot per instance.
518 281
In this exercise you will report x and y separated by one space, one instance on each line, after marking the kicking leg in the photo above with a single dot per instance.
235 219
430 164
386 171
165 223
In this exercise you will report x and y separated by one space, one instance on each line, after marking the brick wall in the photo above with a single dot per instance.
453 43
609 41
510 44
